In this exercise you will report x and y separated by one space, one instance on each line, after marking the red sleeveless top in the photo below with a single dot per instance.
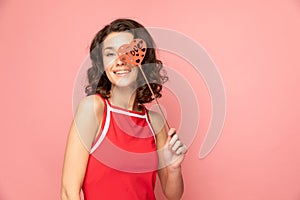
123 160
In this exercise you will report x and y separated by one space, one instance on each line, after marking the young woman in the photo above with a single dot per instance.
116 146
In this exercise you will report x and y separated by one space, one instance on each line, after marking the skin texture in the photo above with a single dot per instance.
88 117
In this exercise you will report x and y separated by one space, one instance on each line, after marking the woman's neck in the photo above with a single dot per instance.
124 97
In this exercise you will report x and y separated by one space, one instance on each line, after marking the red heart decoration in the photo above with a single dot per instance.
133 53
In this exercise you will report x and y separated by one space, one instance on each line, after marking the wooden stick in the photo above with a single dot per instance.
154 97
133 54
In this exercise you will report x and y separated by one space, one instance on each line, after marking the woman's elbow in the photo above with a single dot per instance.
63 194
69 194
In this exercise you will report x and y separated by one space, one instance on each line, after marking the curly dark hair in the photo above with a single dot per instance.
98 80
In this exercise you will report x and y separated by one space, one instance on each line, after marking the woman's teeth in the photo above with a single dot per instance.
122 72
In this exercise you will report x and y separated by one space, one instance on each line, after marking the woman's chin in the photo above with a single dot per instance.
125 83
123 80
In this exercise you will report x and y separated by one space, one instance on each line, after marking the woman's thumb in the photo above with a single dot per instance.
171 133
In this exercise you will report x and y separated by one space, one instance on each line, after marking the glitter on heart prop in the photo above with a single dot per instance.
133 54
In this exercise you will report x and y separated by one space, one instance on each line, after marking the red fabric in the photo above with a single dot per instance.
124 165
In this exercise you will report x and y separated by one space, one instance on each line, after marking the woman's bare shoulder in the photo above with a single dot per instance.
88 118
93 103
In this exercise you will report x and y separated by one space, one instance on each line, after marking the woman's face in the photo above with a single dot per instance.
120 74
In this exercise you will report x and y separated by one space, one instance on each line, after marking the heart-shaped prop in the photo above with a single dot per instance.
133 53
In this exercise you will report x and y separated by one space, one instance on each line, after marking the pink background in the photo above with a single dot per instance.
255 45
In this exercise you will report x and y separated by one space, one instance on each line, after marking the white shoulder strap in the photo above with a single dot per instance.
105 128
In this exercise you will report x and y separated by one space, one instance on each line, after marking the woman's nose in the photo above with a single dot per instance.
120 62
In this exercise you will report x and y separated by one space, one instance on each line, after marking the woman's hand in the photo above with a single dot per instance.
174 151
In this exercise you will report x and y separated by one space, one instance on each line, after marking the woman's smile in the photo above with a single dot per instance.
122 72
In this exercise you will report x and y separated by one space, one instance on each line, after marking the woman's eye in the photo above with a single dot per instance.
110 54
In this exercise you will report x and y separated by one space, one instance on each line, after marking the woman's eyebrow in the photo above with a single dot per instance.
110 48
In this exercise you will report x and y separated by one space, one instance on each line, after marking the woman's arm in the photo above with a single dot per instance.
171 152
83 130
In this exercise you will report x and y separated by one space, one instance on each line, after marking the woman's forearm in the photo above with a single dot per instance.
174 186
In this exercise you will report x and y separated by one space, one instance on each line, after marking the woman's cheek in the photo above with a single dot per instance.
108 61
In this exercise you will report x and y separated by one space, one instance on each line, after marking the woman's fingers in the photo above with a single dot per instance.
177 145
173 139
181 150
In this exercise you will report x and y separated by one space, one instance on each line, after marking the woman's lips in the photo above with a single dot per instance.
122 72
